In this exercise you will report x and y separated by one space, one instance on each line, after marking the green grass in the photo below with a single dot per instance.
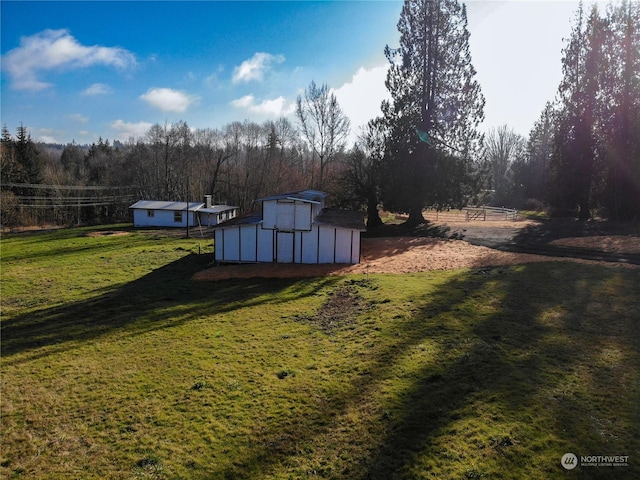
116 365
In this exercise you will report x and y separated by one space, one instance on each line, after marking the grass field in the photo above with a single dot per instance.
116 365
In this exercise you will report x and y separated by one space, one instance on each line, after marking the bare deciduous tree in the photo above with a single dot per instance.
504 147
323 124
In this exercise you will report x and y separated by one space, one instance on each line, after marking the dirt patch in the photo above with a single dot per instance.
340 309
396 255
411 254
107 233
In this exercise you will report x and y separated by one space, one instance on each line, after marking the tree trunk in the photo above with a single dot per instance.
415 216
373 217
585 213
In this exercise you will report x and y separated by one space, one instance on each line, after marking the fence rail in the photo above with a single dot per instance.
472 214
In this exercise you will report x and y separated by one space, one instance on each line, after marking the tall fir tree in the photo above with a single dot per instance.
576 142
620 92
435 108
28 156
539 154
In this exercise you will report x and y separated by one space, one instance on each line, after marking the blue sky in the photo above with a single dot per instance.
83 70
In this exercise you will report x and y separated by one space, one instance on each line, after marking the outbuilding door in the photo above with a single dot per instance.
284 247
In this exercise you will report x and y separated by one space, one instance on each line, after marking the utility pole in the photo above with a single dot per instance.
187 205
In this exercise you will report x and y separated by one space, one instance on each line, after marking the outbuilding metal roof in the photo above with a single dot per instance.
245 219
341 218
308 196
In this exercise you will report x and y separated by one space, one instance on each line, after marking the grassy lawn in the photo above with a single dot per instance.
116 365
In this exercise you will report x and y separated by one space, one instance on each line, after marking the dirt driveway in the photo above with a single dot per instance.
406 254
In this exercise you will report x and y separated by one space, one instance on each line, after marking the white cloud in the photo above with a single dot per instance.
274 107
126 130
214 79
168 100
56 49
78 117
254 68
97 89
360 98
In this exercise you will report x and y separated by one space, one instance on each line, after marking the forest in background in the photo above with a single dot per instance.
582 156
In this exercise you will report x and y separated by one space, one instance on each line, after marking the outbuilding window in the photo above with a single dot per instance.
151 213
177 217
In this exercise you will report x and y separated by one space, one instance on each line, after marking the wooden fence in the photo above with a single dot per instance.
472 214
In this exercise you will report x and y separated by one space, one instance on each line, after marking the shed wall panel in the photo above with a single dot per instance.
326 246
355 255
284 247
309 246
265 245
302 216
269 214
248 243
231 244
286 216
217 245
343 246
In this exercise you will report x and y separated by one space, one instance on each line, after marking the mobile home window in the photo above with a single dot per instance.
150 213
177 217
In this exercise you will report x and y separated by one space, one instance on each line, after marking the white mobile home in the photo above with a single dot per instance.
152 213
291 228
210 216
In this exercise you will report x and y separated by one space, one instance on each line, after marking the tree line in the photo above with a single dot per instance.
425 150
236 163
583 153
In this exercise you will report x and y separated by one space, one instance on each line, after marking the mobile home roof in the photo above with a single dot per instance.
163 205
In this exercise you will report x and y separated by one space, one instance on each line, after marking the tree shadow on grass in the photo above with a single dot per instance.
516 356
522 360
547 230
140 306
539 239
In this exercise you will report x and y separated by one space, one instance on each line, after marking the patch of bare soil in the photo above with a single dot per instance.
398 255
107 233
341 308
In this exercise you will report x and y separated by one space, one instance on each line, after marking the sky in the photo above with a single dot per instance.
78 71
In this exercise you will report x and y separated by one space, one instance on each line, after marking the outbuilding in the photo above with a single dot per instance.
291 227
155 213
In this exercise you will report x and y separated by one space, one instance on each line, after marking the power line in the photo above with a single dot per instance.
41 186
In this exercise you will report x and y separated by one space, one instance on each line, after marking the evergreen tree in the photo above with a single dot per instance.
435 109
539 153
576 146
72 159
620 92
10 170
28 156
